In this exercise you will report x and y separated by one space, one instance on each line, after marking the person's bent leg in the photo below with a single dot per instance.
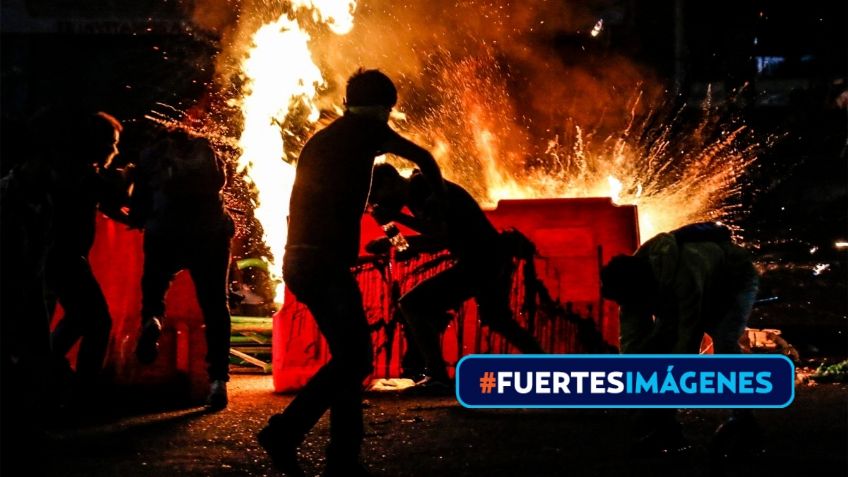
332 296
740 435
62 282
424 304
351 347
502 322
86 316
96 328
209 272
159 269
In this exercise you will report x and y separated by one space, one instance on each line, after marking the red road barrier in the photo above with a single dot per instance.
574 238
117 261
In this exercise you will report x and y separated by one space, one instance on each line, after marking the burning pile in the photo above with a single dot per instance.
480 84
281 84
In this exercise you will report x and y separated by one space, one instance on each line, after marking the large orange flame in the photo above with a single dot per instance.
281 78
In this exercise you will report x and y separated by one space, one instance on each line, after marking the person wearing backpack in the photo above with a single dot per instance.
676 287
177 200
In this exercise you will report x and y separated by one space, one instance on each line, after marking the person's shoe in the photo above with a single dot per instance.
147 348
739 437
348 469
282 452
430 386
217 398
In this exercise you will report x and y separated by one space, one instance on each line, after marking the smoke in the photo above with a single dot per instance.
412 40
214 16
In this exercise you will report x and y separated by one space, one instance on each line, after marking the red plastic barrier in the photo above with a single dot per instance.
117 260
573 236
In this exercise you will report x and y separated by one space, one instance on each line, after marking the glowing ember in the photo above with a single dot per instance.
690 182
281 83
596 30
675 175
820 268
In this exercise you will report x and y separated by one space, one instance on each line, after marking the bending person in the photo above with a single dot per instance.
483 268
676 287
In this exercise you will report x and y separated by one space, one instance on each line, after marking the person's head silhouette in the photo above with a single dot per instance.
104 133
628 281
91 138
370 93
388 188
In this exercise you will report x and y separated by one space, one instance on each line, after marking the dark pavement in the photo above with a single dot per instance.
417 436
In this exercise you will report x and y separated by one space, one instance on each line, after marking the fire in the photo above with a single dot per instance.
696 184
281 85
615 188
337 15
674 175
564 135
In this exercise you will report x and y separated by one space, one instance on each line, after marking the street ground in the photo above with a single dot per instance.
425 436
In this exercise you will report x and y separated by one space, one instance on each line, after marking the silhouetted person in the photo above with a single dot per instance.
27 374
483 268
26 215
83 152
327 203
676 287
177 199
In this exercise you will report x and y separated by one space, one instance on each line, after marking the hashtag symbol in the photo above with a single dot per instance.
487 382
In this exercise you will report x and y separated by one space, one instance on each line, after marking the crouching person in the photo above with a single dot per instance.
676 287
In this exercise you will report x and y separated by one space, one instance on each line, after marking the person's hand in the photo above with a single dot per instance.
380 246
407 254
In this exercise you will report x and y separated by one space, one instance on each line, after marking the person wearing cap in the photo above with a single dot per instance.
328 199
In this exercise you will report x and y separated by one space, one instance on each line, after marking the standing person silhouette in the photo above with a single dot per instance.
29 381
83 152
178 200
328 199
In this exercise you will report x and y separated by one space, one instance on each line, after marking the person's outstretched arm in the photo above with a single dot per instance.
402 147
436 205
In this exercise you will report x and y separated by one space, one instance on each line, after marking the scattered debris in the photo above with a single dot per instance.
390 384
767 341
833 373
